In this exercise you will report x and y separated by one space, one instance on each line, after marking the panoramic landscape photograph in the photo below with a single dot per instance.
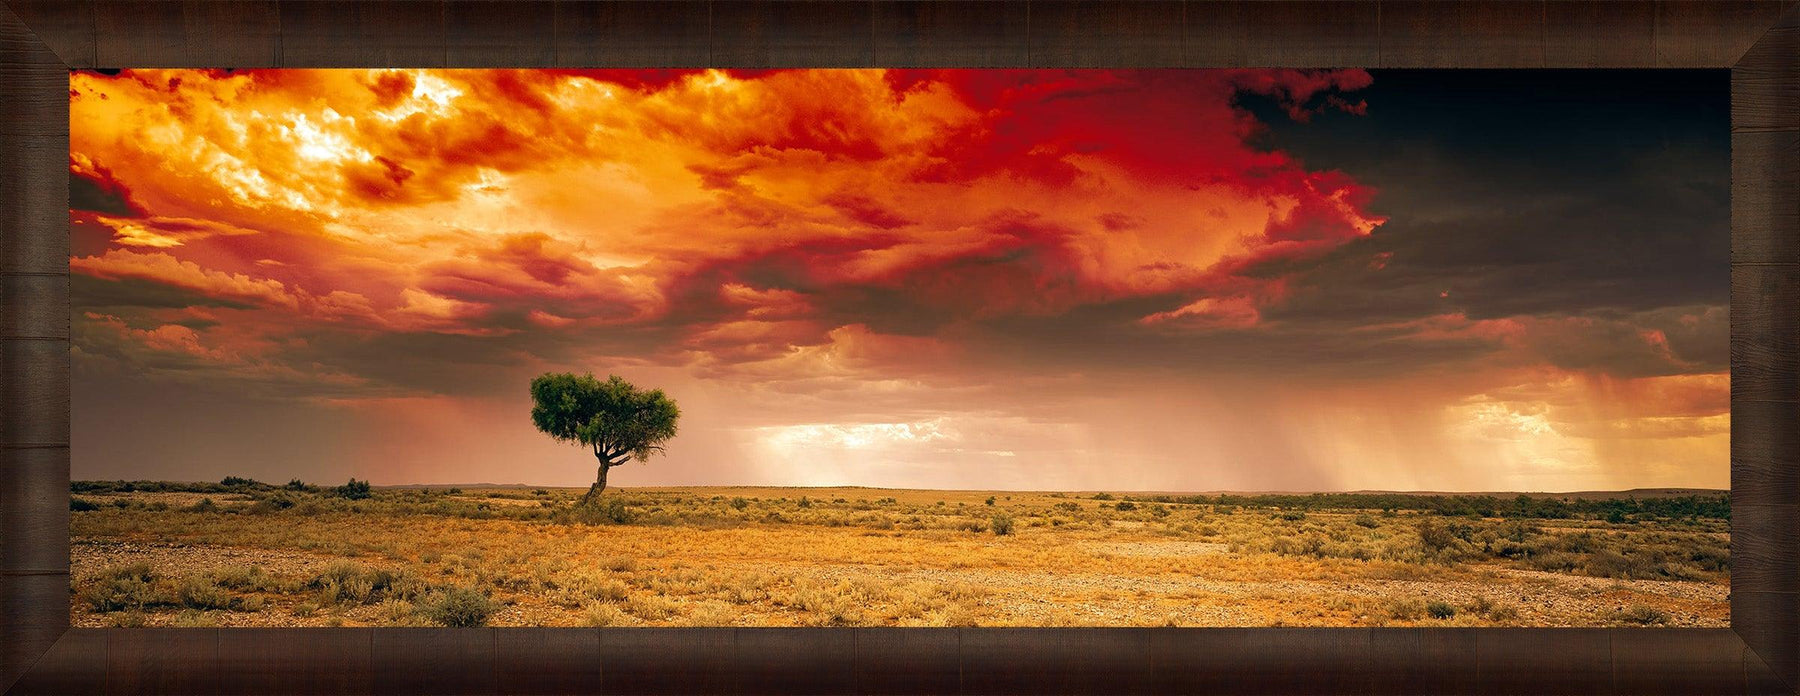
834 347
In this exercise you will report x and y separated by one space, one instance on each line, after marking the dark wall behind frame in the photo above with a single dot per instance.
41 39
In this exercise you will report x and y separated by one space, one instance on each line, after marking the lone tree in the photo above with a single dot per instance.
619 421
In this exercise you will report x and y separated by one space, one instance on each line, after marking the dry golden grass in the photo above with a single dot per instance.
862 557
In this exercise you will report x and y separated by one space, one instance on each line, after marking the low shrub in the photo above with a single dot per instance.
1001 524
1440 610
458 607
599 614
197 592
1641 614
273 503
1406 609
123 587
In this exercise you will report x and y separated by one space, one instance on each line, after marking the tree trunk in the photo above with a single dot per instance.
594 491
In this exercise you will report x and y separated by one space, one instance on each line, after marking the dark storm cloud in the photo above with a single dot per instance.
88 293
99 191
1529 193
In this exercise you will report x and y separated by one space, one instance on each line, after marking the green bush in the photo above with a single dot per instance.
1440 610
739 503
1125 506
79 505
1364 520
458 607
354 490
1002 524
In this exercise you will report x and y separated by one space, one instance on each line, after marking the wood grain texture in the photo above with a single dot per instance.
282 661
1081 34
74 664
952 33
1769 623
34 203
1475 34
1765 196
34 392
1710 34
1439 661
34 306
33 613
633 33
764 33
346 33
1254 660
1543 661
1764 555
64 27
1765 83
1760 678
1061 660
500 33
1285 33
23 650
187 33
35 89
1765 332
1582 33
435 661
548 661
789 661
34 600
636 661
163 661
908 661
1672 661
34 511
1765 453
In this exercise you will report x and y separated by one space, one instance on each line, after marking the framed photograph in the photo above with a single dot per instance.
899 347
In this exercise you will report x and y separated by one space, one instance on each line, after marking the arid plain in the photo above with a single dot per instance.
243 553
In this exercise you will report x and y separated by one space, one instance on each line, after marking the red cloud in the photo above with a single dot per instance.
766 209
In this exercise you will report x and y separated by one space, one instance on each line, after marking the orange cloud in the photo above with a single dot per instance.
812 243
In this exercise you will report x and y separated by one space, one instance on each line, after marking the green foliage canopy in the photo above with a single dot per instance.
615 418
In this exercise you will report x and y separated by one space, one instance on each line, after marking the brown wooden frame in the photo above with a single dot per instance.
40 40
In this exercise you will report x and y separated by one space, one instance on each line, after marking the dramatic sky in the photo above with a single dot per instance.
1136 280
